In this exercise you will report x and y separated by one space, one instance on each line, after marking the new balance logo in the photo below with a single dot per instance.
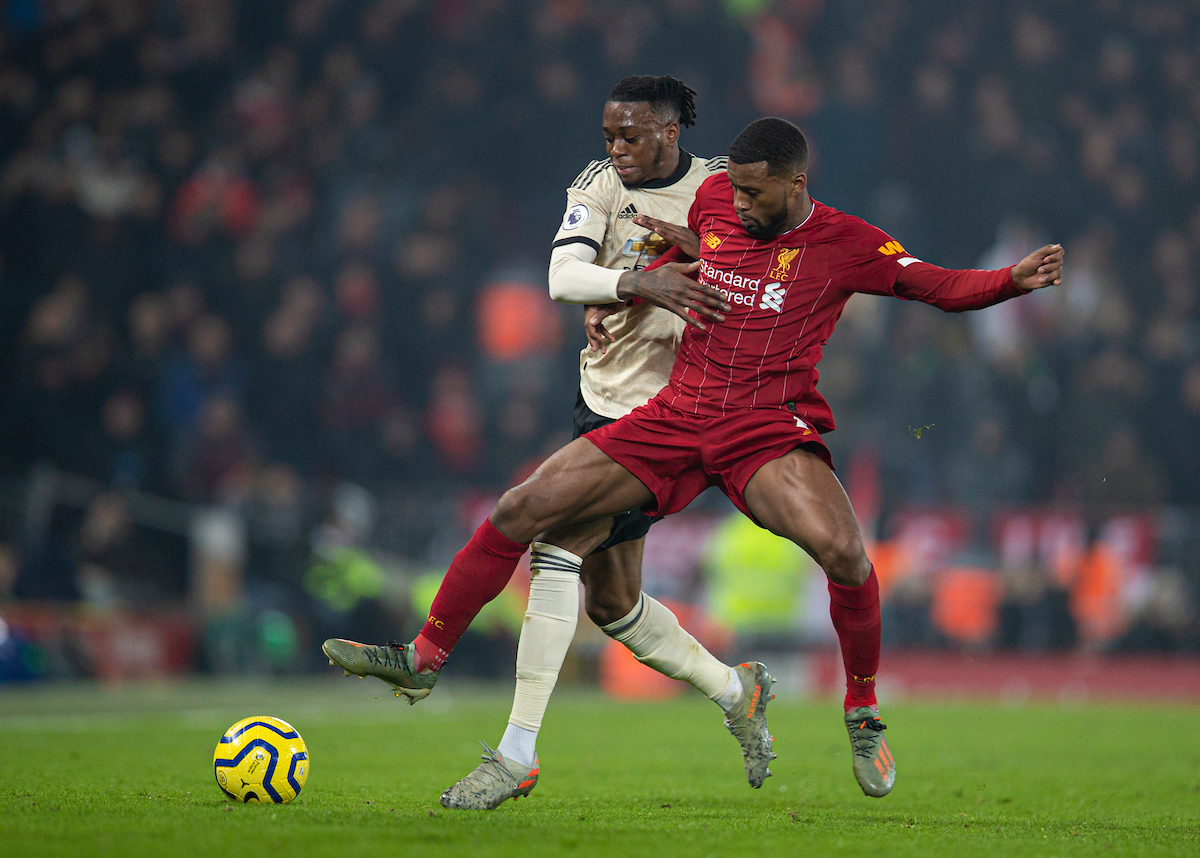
628 212
772 298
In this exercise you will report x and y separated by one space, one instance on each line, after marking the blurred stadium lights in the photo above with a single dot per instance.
244 249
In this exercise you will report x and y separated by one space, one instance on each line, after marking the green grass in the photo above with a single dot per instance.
89 771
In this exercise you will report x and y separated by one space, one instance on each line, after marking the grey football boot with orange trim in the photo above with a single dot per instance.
394 663
874 766
747 721
493 782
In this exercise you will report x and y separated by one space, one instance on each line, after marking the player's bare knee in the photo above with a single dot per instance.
516 515
845 561
580 539
607 605
605 611
598 612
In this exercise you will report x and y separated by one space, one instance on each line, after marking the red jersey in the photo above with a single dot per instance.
787 294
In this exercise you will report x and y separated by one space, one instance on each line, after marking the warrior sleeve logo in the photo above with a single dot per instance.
894 247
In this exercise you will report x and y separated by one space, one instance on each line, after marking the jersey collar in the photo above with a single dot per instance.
811 212
685 164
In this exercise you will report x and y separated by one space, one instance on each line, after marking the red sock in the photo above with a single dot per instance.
430 656
477 575
855 613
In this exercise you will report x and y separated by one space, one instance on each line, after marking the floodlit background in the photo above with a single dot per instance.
274 330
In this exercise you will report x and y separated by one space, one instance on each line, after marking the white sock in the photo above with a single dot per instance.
519 745
546 635
732 693
653 634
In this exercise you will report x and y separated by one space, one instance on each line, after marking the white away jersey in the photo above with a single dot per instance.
600 211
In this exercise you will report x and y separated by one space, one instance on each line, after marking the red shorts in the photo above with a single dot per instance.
679 455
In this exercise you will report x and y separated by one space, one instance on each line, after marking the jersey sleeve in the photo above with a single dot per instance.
956 291
673 254
879 265
693 218
872 261
574 279
703 199
588 208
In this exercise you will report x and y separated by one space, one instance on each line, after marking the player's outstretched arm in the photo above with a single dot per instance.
667 287
956 291
1039 269
673 234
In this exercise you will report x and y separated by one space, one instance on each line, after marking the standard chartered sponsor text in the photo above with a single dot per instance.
711 275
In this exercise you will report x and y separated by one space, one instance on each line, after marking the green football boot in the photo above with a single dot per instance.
747 721
874 766
395 664
493 782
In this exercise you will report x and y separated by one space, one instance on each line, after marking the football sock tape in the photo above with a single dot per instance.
546 633
653 634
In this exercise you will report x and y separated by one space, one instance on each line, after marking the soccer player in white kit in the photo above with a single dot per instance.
601 240
647 173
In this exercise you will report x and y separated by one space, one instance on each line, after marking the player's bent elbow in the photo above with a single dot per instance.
557 292
558 278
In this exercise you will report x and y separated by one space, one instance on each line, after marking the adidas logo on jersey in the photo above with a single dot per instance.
628 212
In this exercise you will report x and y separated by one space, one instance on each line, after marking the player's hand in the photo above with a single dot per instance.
671 233
598 336
669 288
1039 269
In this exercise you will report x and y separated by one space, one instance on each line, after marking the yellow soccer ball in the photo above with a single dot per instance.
261 760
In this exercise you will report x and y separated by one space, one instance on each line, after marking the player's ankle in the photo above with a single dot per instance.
732 693
429 657
857 701
518 745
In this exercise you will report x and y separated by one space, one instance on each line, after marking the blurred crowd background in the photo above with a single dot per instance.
274 324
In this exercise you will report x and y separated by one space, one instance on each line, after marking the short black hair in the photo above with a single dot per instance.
672 99
776 141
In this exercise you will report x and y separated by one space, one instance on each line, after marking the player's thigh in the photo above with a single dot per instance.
612 581
797 496
577 483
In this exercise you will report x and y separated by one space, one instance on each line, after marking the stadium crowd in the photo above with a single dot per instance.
249 251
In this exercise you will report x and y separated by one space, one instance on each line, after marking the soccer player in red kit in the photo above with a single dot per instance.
741 410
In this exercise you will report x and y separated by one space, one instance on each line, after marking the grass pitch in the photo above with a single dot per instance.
89 771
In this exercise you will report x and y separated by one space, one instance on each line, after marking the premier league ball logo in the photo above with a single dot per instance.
261 760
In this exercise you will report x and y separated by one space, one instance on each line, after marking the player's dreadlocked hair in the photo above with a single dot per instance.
774 140
672 99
